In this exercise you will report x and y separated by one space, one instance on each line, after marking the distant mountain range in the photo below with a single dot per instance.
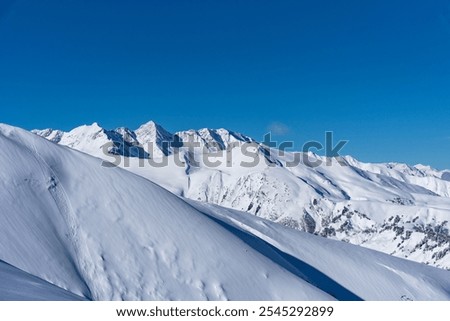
394 208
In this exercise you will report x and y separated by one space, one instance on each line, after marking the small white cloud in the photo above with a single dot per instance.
277 128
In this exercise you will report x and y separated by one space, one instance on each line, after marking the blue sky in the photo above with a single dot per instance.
375 72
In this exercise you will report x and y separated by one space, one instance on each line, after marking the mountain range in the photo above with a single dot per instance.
395 208
76 226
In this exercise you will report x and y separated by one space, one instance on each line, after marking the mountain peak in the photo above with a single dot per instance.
94 127
86 129
52 135
150 125
155 135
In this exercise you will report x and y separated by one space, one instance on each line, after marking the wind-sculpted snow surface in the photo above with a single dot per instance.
107 234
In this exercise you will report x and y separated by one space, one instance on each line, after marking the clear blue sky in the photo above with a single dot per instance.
375 72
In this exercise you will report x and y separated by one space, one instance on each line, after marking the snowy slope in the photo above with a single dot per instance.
16 285
337 267
106 234
395 208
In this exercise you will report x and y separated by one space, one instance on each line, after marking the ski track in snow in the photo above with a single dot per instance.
81 254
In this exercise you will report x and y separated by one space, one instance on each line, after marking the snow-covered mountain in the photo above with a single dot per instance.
104 233
394 208
92 139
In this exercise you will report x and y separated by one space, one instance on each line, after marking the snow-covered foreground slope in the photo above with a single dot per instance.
395 208
107 234
16 285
